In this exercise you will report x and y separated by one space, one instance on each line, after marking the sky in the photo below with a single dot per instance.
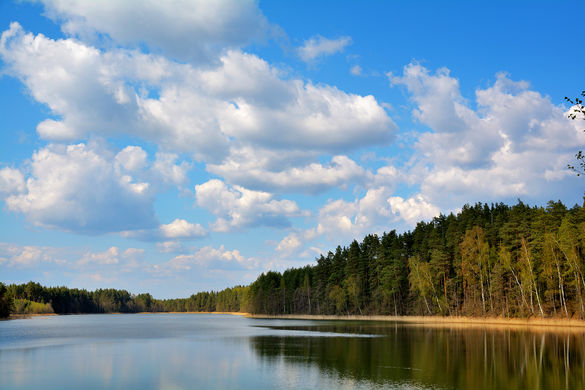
187 145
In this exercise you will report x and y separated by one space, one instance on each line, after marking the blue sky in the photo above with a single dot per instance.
174 147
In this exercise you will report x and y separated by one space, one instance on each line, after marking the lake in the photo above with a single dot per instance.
199 351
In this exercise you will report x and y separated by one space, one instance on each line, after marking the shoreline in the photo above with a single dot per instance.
233 313
438 321
24 316
424 321
19 316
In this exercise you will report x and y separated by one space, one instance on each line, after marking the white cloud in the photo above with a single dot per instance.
377 211
128 259
78 187
211 113
170 247
11 181
132 253
289 244
258 171
132 158
515 144
319 46
180 228
107 93
340 218
28 256
356 70
414 209
195 30
238 207
87 188
108 257
295 240
319 118
208 258
166 171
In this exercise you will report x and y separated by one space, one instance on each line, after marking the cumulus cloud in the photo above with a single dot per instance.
132 158
238 207
111 257
295 241
77 187
354 219
89 188
516 143
207 257
289 244
180 228
257 171
166 170
107 93
193 30
108 257
209 112
11 181
28 256
414 209
378 210
320 118
318 46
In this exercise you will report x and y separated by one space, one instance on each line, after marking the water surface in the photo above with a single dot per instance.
186 351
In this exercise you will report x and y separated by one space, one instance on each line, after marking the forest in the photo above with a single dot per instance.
486 260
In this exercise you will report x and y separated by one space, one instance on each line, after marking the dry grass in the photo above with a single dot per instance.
536 324
235 313
23 316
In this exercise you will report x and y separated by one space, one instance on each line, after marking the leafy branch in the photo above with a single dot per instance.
577 111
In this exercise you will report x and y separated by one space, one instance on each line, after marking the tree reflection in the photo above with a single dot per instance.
444 357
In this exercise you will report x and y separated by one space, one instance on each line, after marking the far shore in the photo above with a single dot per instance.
24 316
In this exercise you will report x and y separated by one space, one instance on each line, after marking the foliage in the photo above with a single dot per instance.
24 306
33 298
5 302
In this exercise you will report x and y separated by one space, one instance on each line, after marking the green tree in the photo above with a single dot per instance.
339 298
420 280
6 302
475 268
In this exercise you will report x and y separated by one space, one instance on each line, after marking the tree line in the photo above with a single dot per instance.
486 260
33 298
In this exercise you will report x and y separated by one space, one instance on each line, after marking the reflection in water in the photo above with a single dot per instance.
182 351
445 358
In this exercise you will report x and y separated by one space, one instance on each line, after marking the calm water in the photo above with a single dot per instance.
183 351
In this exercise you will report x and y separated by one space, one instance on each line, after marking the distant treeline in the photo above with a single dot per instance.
32 298
487 260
